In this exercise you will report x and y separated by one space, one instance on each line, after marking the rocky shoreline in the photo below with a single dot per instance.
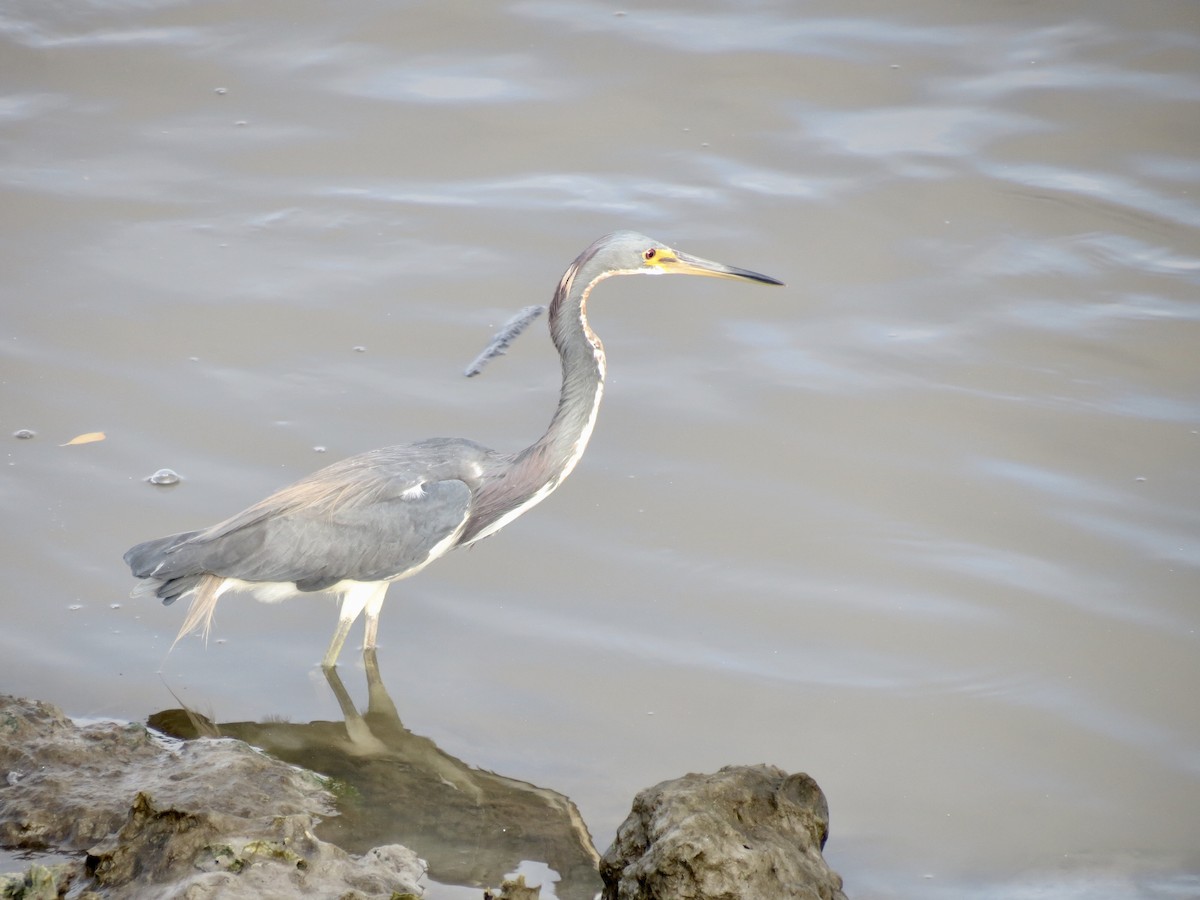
189 808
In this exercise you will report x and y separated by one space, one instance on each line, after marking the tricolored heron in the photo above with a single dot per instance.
358 525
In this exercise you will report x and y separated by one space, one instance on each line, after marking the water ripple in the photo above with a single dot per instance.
1135 522
549 191
747 30
1088 78
1107 188
39 37
933 130
504 79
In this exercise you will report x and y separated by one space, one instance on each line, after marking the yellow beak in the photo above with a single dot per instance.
676 263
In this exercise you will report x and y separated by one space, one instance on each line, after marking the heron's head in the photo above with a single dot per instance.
619 253
629 253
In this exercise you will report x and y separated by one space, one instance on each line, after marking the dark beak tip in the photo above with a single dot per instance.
751 275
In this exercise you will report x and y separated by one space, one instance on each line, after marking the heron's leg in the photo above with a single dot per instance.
368 596
373 605
353 602
335 646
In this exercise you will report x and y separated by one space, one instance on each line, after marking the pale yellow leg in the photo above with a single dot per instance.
363 596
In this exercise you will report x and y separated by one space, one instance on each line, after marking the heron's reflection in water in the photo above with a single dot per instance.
472 827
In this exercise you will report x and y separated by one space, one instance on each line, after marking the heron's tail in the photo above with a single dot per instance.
165 568
204 602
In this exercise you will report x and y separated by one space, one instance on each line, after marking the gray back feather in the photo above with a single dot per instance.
367 518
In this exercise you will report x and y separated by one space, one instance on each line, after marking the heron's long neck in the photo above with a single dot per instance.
582 357
528 477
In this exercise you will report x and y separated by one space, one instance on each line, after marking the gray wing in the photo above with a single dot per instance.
368 518
368 541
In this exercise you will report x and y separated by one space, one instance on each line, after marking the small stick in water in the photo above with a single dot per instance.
503 338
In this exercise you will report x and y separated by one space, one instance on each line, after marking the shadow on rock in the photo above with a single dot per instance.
471 827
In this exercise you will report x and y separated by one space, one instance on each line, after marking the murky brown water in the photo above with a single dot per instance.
924 524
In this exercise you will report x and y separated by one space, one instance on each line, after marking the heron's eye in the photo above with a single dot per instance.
649 254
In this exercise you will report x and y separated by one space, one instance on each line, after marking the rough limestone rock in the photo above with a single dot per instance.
744 833
161 818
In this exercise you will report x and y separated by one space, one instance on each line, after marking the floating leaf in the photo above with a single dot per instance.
90 438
